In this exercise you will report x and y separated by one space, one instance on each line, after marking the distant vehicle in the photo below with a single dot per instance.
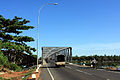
60 60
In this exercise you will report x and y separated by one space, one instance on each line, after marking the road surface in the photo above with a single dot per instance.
73 72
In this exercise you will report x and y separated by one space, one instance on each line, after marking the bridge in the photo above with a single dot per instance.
48 52
71 71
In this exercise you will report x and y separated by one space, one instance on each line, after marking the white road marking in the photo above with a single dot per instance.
83 72
79 70
50 74
87 73
113 72
68 67
100 69
108 79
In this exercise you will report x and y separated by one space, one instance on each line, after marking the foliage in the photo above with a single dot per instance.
35 56
115 64
40 58
12 66
28 74
15 67
5 63
3 59
15 26
13 44
112 60
3 78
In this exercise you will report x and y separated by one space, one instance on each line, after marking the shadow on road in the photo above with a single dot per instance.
50 67
86 68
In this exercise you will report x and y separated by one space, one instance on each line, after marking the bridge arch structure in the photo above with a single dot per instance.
48 52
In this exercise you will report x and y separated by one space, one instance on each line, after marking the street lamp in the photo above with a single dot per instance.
38 26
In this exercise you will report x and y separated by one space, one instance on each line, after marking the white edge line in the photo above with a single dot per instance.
78 70
113 72
50 74
87 73
68 67
83 72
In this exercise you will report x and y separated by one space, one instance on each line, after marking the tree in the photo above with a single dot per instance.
75 58
14 44
3 59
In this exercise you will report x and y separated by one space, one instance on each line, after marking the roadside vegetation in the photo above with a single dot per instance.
3 78
105 60
15 54
27 75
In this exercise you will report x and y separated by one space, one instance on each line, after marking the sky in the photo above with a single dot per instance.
88 26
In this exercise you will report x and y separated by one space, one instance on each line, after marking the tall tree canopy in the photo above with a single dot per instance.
11 42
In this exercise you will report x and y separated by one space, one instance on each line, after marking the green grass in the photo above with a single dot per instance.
28 74
3 78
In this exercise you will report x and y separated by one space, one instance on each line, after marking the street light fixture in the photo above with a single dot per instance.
55 3
38 27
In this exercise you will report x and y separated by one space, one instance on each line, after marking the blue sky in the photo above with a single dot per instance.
89 26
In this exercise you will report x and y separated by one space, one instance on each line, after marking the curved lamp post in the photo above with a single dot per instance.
38 26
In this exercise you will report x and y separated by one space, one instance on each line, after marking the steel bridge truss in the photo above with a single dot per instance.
53 51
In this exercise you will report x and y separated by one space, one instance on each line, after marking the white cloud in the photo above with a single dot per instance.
99 49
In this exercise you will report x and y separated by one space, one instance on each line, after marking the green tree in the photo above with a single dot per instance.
75 58
3 59
13 43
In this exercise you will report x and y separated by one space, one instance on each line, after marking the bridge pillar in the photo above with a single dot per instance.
42 55
70 54
66 55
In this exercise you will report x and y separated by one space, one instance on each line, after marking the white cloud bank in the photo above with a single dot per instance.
99 49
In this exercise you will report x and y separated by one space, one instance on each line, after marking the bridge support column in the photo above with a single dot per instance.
42 56
70 54
66 55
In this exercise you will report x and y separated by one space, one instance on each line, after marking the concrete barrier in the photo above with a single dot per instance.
33 76
37 70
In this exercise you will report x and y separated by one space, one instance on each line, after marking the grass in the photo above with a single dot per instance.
28 74
3 78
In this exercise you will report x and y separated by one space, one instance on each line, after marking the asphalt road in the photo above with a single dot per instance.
73 72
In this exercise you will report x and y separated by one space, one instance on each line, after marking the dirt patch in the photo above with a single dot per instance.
14 75
19 75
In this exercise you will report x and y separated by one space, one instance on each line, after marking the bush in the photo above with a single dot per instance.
4 62
15 67
3 59
3 78
115 64
28 74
